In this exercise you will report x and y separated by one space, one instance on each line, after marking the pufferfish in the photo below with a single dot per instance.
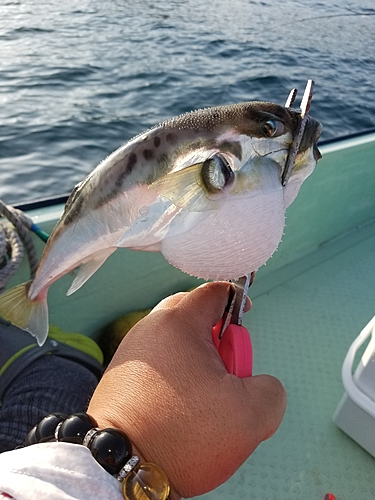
204 189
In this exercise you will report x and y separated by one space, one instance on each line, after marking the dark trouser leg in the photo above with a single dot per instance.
48 385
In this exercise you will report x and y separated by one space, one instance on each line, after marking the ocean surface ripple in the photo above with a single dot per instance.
79 78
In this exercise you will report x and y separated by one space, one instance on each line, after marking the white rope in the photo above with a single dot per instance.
13 241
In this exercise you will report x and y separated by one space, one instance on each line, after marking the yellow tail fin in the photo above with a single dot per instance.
30 315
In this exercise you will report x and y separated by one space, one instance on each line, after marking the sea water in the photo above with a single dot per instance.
78 78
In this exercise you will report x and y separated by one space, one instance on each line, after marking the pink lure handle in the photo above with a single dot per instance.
235 349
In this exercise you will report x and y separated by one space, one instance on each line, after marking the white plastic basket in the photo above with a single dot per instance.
355 413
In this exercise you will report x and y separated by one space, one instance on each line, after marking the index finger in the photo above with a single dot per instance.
207 302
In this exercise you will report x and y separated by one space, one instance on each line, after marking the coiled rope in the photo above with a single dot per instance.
13 241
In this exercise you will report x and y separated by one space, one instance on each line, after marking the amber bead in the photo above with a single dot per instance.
147 482
74 428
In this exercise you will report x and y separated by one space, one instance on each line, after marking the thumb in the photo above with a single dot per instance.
207 303
267 404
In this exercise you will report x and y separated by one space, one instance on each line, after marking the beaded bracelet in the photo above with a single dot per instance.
111 448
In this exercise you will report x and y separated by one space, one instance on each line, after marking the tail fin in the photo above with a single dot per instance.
30 315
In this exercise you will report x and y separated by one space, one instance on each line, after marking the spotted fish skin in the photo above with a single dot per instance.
203 188
155 152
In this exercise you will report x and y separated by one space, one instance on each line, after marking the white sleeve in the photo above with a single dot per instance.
58 471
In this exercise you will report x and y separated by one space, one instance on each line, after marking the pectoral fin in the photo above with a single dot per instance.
185 189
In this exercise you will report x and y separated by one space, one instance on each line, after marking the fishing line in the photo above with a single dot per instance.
330 16
312 18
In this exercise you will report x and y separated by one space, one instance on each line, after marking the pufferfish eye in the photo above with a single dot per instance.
216 174
272 128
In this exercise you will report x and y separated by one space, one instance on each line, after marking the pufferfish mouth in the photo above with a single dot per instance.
311 136
316 153
318 132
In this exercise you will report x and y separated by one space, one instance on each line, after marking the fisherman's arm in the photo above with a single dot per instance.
168 390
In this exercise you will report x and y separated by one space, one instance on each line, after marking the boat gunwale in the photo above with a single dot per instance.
62 198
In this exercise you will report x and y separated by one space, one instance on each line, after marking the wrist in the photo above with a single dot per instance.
111 448
104 420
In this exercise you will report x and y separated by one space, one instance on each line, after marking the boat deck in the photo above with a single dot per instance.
305 315
310 302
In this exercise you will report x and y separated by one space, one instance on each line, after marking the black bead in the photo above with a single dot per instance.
31 437
74 428
45 430
111 449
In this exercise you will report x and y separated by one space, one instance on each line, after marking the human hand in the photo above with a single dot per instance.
168 390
